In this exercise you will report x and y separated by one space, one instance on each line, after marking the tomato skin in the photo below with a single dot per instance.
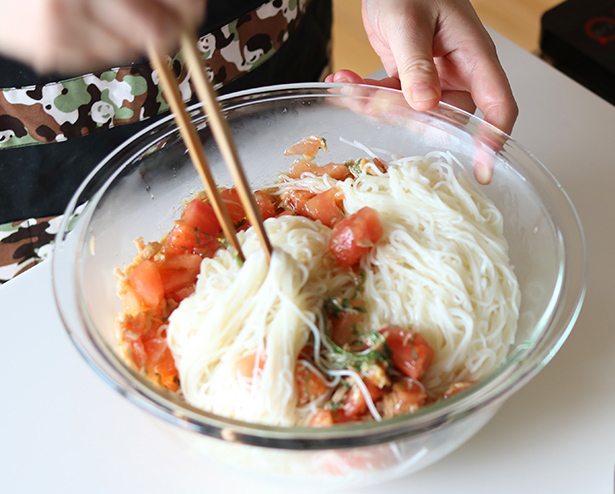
354 236
325 207
411 354
146 283
201 215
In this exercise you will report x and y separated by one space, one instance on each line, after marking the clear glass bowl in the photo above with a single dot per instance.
138 192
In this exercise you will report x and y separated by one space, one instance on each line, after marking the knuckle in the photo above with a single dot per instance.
419 68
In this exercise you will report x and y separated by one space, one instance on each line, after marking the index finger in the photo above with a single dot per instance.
491 91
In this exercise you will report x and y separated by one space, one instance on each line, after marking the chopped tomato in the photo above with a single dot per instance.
343 326
405 397
231 200
154 349
201 215
337 171
309 384
322 418
411 354
308 147
150 352
186 239
300 166
180 271
247 365
138 353
355 404
265 205
380 164
295 200
146 283
354 236
166 370
181 294
325 207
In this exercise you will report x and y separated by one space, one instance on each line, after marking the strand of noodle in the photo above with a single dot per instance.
360 146
330 384
364 391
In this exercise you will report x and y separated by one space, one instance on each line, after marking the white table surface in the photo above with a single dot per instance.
64 430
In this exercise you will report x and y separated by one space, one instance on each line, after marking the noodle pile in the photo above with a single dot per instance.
440 268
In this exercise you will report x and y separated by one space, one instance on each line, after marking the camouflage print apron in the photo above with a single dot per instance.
75 107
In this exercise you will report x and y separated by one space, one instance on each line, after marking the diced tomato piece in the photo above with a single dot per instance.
247 365
355 404
354 236
308 147
309 384
141 323
166 370
186 239
201 215
147 285
325 207
295 200
300 166
231 200
182 293
265 204
322 418
405 397
154 349
343 326
411 354
337 171
179 271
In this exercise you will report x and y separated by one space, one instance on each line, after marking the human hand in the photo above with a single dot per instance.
439 50
78 35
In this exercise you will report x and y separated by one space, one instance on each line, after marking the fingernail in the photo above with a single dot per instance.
426 93
482 172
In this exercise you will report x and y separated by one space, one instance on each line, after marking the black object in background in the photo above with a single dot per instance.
578 38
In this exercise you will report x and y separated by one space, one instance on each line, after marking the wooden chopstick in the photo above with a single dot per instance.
194 145
223 136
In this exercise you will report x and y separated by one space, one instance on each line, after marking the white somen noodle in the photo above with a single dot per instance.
441 268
